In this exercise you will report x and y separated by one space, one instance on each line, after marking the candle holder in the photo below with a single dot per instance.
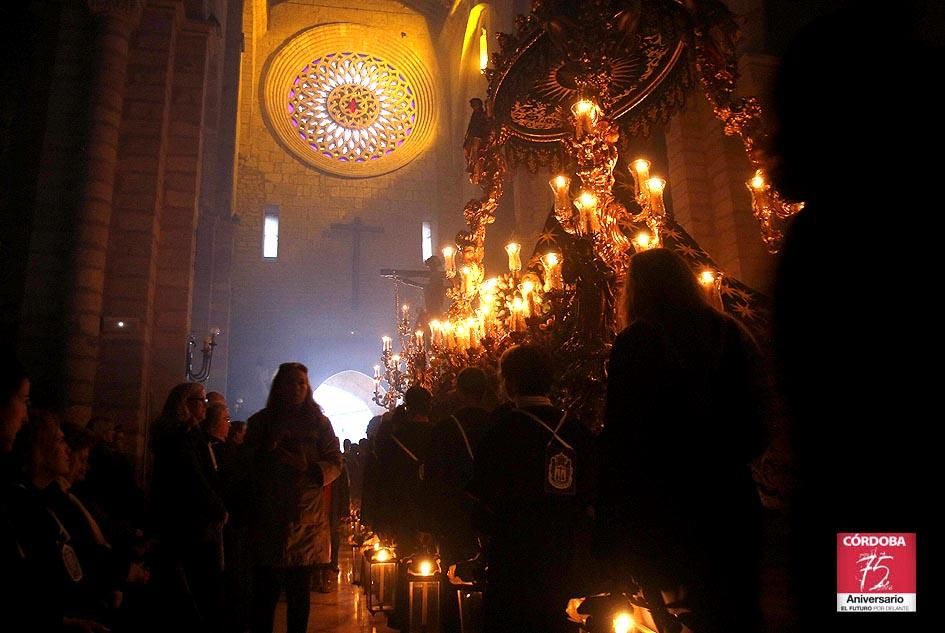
209 344
423 594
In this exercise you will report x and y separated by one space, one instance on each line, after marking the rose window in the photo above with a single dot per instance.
352 107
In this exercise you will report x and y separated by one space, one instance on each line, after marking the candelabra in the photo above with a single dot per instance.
206 351
399 371
770 209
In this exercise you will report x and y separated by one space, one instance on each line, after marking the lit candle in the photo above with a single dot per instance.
640 169
419 335
643 241
377 372
387 343
552 264
711 282
585 114
528 289
395 359
559 185
586 202
518 315
655 188
472 327
449 254
435 333
514 250
759 190
623 623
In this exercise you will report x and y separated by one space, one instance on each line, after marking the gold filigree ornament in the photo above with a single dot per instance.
347 100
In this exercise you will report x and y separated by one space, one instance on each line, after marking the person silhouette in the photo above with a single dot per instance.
850 344
686 398
477 133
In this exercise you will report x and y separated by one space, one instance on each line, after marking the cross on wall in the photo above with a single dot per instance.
356 228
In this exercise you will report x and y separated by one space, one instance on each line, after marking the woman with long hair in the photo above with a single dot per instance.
188 511
684 418
294 453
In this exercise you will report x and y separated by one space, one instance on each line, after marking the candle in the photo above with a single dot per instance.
449 254
586 202
711 282
585 114
644 241
559 185
552 264
530 283
655 188
640 169
387 343
377 372
419 335
514 249
436 336
759 191
518 315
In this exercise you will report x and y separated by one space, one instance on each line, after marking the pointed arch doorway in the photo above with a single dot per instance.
346 398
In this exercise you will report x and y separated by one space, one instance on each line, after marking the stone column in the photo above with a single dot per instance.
116 20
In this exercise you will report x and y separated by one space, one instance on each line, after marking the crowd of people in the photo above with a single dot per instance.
236 514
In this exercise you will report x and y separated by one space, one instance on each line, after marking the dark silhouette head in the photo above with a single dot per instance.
471 384
476 103
526 370
418 401
660 288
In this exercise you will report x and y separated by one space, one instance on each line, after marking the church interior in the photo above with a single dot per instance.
372 197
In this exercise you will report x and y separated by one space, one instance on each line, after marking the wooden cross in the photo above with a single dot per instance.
356 229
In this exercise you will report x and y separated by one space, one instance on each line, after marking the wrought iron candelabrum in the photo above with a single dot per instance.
206 351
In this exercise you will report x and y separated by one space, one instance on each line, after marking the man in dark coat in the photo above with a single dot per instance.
532 480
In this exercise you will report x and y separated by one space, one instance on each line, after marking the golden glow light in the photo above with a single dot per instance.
707 277
572 610
483 49
656 185
584 107
641 166
642 240
425 568
560 182
587 199
383 555
757 181
623 622
513 249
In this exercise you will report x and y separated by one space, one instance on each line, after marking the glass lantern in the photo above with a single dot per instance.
423 591
380 579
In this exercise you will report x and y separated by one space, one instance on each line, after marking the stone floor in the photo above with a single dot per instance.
341 611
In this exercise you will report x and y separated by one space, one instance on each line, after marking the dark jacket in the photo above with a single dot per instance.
534 537
184 498
289 521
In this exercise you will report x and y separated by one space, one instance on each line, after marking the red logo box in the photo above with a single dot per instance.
876 572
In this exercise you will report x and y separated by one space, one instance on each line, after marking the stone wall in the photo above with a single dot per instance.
299 306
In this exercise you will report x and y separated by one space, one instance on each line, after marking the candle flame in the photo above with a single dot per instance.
656 185
623 622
